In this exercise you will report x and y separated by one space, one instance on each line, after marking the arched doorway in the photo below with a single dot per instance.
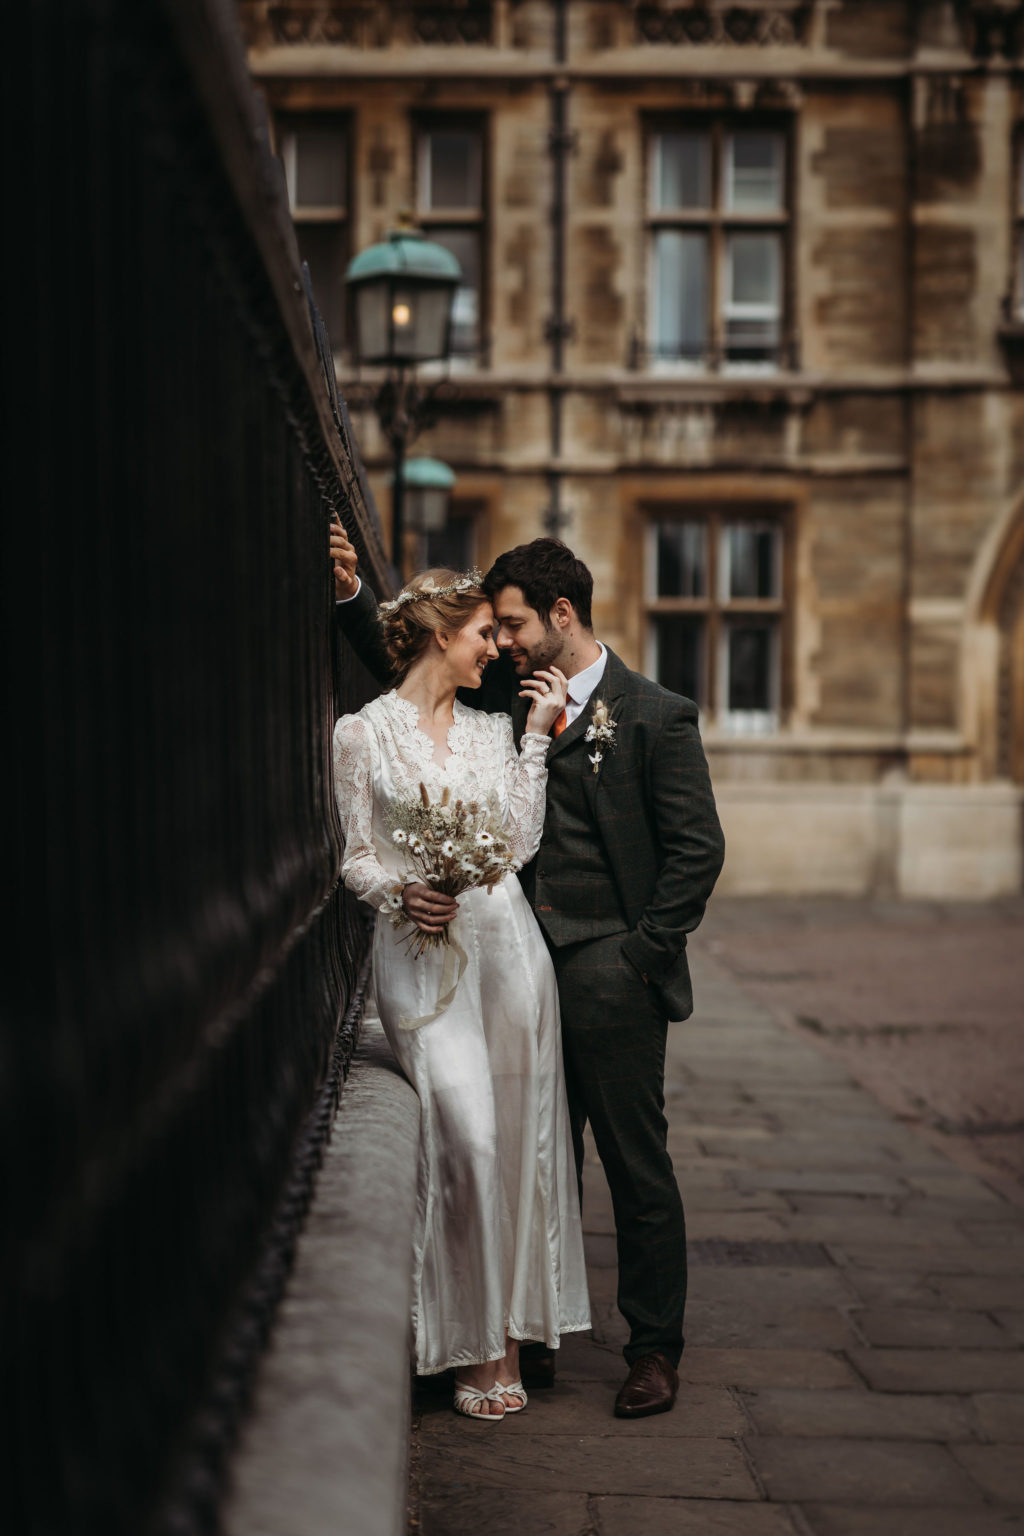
992 685
1010 688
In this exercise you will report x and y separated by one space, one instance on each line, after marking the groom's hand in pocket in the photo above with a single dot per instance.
429 910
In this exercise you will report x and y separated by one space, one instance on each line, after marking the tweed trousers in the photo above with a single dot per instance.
614 1032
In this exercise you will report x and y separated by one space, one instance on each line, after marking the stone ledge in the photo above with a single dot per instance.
325 1449
922 841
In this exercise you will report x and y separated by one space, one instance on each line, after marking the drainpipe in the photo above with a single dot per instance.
558 329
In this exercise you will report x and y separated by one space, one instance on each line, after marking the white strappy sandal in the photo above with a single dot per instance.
469 1401
515 1390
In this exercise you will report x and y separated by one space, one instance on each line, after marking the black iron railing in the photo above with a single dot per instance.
179 966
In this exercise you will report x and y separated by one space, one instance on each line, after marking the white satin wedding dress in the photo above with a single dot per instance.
498 1242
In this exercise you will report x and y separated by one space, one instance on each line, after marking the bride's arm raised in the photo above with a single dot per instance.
524 782
361 869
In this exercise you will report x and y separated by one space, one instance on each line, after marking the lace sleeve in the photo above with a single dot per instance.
525 777
361 870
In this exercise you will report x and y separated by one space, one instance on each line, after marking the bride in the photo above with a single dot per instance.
498 1248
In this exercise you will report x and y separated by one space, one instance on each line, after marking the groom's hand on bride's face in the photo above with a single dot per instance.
429 910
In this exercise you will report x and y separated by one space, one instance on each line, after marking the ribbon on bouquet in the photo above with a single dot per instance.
455 962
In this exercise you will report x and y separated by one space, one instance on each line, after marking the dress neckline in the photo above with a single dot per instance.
422 745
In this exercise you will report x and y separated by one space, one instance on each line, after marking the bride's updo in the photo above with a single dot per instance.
432 601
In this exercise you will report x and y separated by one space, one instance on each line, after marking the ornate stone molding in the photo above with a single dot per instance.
359 24
719 23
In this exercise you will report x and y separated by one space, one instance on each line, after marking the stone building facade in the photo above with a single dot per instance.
742 320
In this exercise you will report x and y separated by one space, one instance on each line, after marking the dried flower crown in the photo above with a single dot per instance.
429 588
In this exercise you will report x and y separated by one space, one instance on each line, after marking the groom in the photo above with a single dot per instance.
630 853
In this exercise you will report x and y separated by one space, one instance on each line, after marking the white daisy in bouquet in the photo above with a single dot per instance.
451 845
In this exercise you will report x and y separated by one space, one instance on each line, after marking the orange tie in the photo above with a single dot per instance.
559 725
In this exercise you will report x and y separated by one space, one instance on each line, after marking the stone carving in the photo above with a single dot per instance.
312 22
452 23
714 24
358 24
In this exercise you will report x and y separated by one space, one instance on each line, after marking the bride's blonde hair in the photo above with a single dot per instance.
434 600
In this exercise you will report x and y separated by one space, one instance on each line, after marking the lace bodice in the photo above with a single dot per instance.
381 755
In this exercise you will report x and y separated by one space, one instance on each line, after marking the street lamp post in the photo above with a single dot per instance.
426 494
403 290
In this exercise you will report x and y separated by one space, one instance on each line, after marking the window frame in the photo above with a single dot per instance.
718 610
320 215
717 223
472 220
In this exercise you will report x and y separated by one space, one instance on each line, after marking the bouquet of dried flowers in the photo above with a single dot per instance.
454 846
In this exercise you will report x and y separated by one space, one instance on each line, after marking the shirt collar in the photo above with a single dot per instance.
583 684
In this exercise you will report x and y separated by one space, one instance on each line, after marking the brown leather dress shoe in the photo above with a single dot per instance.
650 1387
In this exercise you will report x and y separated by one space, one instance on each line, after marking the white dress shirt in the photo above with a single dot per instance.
583 685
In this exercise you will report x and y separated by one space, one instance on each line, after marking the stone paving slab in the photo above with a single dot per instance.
908 1327
994 1291
901 1288
854 1363
767 1368
719 1324
871 1520
490 1511
940 1370
690 1517
878 1472
646 1466
966 1260
823 1181
802 1413
1000 1415
1012 1319
998 1469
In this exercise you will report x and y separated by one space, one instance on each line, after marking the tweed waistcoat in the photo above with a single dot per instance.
570 883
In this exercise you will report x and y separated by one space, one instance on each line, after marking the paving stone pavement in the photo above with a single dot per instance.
854 1361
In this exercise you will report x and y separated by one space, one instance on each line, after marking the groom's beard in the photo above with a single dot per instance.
545 653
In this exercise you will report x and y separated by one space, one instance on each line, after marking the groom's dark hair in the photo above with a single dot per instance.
543 571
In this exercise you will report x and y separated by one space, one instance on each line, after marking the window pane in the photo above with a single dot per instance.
749 665
452 169
682 560
464 245
450 546
753 172
679 654
319 167
754 269
680 294
682 171
323 247
753 301
750 560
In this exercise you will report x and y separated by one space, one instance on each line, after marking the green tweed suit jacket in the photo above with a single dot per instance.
650 801
651 804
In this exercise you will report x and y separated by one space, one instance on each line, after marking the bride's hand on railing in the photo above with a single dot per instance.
429 910
549 690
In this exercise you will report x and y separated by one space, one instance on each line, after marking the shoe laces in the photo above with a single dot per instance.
648 1369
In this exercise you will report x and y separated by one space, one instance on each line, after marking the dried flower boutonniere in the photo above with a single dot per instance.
601 731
